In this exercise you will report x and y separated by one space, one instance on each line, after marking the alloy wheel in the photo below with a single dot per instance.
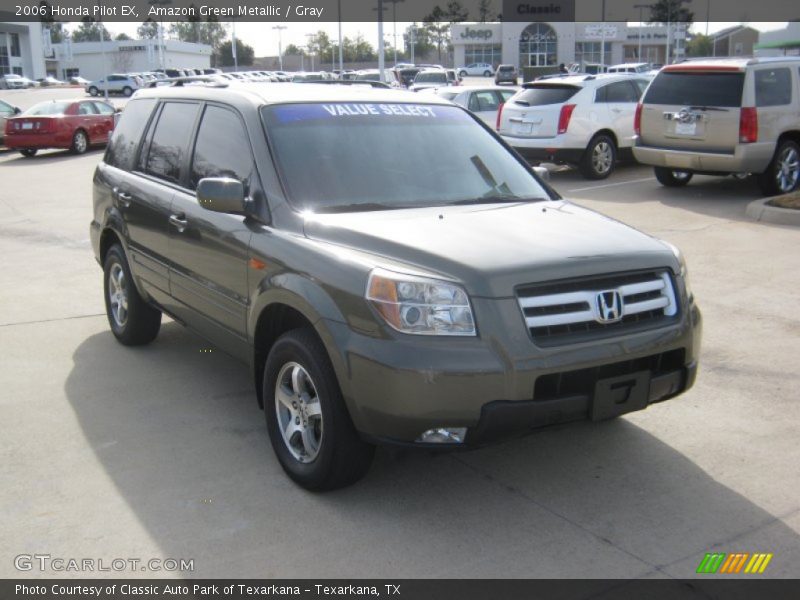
787 170
602 156
118 295
299 412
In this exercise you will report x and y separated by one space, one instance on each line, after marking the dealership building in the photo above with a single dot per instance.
94 60
21 49
546 45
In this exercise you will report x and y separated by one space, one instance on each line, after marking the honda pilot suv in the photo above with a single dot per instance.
431 291
722 117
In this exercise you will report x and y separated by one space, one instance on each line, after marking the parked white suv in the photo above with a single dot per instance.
476 69
584 120
721 117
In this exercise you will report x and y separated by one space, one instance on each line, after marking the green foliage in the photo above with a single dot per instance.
670 11
90 31
147 30
699 45
244 54
122 37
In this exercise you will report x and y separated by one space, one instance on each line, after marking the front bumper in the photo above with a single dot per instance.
400 386
747 158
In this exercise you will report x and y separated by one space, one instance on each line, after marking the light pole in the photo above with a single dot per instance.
312 38
280 29
341 52
381 64
394 26
233 47
412 36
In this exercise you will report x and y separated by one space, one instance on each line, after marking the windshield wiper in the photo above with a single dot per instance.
497 200
707 108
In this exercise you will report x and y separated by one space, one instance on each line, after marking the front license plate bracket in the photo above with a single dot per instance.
619 395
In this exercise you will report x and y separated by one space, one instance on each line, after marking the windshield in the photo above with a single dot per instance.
431 77
447 95
367 156
368 77
47 108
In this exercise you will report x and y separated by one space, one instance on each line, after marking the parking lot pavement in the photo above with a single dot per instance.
161 452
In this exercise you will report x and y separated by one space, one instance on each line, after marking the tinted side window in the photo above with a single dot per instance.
773 87
622 91
121 149
171 137
222 148
87 108
541 95
104 109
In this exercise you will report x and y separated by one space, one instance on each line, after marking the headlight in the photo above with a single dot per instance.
420 305
684 272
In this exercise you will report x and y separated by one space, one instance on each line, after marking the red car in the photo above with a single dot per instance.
72 124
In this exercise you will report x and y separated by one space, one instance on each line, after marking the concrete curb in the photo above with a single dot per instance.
758 210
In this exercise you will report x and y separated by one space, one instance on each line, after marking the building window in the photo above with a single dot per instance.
15 44
484 53
70 73
4 63
738 49
538 46
592 52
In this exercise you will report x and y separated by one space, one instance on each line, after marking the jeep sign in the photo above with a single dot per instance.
477 34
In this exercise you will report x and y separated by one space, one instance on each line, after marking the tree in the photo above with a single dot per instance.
291 50
90 31
484 7
147 30
211 33
438 29
244 53
670 11
455 13
422 40
122 37
700 45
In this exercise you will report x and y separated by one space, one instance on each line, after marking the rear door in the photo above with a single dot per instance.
146 194
619 101
693 109
87 116
106 118
534 112
775 100
208 250
484 104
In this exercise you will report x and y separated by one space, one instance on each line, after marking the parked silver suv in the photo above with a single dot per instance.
721 117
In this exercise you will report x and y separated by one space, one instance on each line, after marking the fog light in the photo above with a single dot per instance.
444 435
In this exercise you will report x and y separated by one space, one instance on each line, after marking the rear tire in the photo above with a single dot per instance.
599 159
462 73
671 177
308 424
127 91
783 173
28 152
133 322
80 142
487 73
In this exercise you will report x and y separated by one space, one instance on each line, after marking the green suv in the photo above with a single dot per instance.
391 270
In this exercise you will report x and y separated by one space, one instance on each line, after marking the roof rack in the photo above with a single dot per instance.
213 80
375 84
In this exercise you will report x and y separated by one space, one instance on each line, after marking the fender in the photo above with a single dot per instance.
313 302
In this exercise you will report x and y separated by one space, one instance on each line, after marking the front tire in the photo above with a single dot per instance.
127 91
308 424
80 142
783 173
599 159
487 73
671 177
462 73
133 322
93 91
28 152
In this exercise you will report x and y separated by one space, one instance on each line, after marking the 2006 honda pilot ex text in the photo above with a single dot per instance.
392 271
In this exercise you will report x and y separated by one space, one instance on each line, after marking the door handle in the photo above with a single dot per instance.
179 222
123 197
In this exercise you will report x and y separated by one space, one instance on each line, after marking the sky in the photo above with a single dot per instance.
265 41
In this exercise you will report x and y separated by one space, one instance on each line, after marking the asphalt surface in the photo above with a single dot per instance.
161 452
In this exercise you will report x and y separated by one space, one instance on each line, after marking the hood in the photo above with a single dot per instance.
491 249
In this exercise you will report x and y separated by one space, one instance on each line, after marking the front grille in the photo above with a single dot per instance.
572 311
582 382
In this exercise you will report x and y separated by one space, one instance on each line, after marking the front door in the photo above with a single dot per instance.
209 251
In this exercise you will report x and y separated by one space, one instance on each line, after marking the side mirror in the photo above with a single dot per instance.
221 194
17 110
543 173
